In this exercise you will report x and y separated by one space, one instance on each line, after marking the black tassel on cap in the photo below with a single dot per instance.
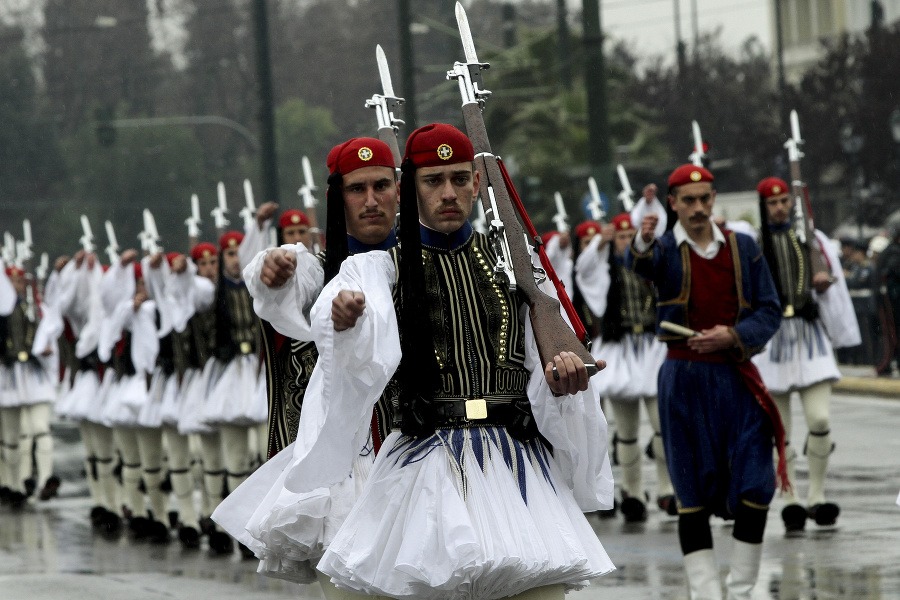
418 374
336 249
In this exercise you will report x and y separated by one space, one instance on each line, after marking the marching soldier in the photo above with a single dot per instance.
626 306
714 289
818 316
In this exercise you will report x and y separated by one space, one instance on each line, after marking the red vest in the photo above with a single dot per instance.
714 298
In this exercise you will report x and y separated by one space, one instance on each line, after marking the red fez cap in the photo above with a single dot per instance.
549 236
14 270
231 239
438 144
357 153
772 186
203 250
170 256
138 270
587 228
622 221
689 174
292 217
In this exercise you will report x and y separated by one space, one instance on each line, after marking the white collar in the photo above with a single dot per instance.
681 236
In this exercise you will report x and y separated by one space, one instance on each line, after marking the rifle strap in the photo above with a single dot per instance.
561 292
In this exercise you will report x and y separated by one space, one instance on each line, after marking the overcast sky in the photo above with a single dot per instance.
649 25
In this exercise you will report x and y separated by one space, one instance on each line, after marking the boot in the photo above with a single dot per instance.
744 570
703 575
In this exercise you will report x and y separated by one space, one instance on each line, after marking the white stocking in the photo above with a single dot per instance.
235 453
627 448
816 400
181 476
126 442
10 421
663 482
150 449
213 470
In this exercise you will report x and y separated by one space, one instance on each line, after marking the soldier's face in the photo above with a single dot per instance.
297 234
371 198
232 265
446 195
208 267
779 208
622 240
693 203
18 283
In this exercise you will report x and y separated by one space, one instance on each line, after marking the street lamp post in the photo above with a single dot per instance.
851 145
895 133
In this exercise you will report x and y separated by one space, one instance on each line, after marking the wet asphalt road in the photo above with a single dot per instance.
48 551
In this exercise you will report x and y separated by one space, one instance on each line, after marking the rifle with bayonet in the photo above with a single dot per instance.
9 249
149 236
310 202
87 236
802 216
385 104
221 209
193 222
595 205
248 213
698 155
23 248
112 248
514 251
626 196
561 218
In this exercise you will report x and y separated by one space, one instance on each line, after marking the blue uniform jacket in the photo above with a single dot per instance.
669 268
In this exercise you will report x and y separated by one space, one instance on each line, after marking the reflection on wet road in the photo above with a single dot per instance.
50 550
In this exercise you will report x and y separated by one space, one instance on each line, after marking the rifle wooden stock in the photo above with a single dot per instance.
552 333
817 261
389 137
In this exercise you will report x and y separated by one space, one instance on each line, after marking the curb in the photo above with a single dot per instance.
889 388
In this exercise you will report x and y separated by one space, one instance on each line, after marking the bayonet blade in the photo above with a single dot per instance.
307 172
623 179
384 72
465 34
795 127
594 190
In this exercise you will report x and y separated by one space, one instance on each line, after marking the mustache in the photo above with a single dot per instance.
699 217
372 213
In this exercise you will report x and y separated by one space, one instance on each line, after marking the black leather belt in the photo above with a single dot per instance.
481 412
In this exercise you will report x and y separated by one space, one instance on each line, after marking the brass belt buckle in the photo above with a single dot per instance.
476 409
245 347
789 311
23 356
638 329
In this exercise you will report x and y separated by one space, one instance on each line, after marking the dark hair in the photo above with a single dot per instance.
418 372
336 249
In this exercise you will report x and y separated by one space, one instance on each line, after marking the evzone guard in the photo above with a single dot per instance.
626 306
287 529
817 317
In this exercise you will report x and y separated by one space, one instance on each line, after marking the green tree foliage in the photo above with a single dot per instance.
156 168
302 130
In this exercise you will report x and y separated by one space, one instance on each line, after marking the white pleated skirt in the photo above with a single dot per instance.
235 398
288 531
126 397
464 514
25 384
190 416
632 366
798 356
